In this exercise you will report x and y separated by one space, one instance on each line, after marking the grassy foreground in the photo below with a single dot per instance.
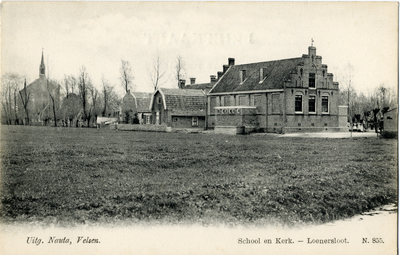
74 176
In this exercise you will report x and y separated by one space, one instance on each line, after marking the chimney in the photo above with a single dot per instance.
219 75
182 83
231 61
213 79
192 81
312 52
225 67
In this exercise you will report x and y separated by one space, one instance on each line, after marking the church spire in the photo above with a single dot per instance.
42 68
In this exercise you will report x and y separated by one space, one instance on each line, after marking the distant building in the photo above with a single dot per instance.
289 95
135 108
206 87
179 108
142 105
40 105
390 120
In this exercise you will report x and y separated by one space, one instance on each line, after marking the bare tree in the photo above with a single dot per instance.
53 88
157 73
385 97
180 70
109 98
10 84
25 95
126 76
54 92
93 107
73 83
84 81
105 95
67 85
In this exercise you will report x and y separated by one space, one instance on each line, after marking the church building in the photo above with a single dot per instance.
38 97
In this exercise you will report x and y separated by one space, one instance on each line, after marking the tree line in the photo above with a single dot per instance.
74 100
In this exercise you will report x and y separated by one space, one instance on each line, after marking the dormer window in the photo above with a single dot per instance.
263 74
242 76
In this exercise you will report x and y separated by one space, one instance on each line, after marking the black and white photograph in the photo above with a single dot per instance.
144 127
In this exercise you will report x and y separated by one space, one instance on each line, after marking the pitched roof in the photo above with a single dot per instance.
181 92
143 104
182 99
40 86
276 72
201 86
141 99
141 94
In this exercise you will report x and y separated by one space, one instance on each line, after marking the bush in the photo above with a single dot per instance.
389 135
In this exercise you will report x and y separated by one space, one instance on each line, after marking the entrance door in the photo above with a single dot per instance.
158 118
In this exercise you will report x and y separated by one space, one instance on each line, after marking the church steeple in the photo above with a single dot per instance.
42 68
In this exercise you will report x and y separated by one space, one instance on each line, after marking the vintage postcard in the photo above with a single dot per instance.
199 128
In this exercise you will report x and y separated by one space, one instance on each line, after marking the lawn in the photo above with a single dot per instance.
72 176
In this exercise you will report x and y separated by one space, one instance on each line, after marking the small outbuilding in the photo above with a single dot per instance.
390 120
179 108
135 108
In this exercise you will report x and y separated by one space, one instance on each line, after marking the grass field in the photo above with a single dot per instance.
73 176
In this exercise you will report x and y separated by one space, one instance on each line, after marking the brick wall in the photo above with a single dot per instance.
186 122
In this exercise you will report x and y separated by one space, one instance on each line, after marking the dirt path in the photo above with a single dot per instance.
332 135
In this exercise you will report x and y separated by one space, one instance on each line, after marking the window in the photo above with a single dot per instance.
325 104
148 119
298 103
195 121
311 80
226 101
242 76
259 103
213 104
311 104
244 100
275 103
158 100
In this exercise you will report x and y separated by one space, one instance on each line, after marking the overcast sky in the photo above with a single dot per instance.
205 34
